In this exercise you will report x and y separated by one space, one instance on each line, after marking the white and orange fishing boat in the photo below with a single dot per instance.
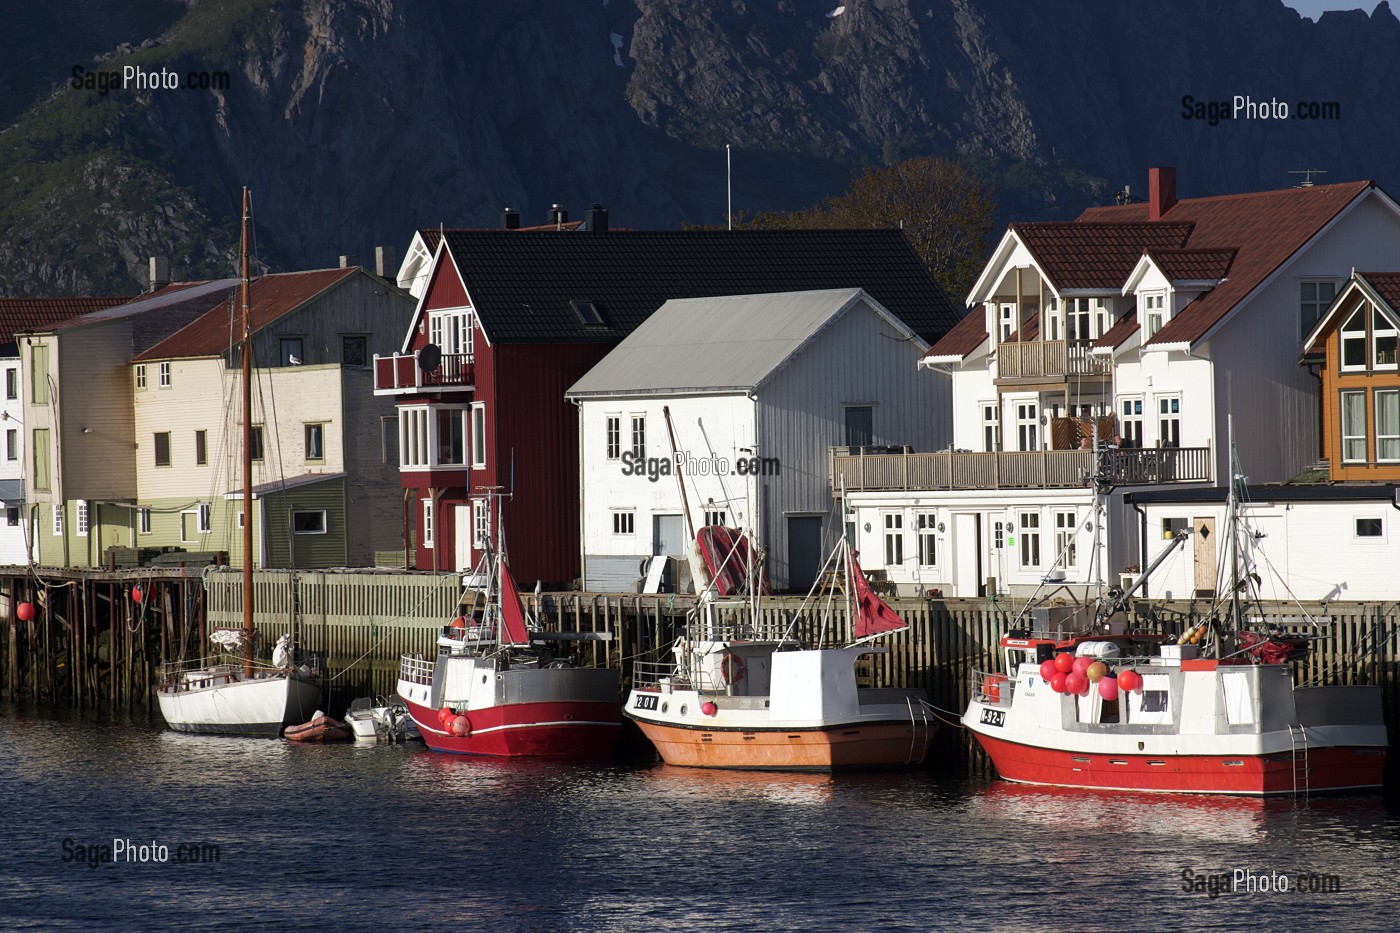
497 688
739 696
1087 701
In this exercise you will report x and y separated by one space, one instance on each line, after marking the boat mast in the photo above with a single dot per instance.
1232 508
247 459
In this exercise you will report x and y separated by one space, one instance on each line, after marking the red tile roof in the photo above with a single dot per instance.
964 337
25 315
1122 329
271 297
1266 227
1077 254
1386 285
1194 265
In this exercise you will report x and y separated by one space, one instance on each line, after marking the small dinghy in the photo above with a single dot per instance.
321 728
361 719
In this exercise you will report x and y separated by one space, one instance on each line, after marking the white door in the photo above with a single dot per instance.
967 561
462 536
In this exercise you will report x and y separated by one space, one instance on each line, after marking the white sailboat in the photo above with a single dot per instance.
219 695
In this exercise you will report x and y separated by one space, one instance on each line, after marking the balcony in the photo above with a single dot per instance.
400 374
1036 469
1048 360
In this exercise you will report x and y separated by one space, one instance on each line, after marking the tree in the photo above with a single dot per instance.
943 208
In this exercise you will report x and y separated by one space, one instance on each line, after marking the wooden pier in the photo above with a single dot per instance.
92 643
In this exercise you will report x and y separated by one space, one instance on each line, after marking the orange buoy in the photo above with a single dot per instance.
25 611
137 594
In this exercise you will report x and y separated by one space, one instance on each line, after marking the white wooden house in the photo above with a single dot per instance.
758 388
1150 323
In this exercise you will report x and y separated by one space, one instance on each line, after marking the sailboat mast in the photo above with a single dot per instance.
247 458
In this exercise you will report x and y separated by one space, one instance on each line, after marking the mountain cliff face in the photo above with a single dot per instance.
356 121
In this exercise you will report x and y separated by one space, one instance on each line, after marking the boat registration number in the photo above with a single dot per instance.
993 717
646 701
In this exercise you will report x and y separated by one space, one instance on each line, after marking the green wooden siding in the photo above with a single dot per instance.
305 551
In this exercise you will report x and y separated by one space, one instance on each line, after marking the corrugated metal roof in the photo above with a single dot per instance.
732 343
291 482
27 315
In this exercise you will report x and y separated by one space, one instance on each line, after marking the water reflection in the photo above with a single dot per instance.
711 784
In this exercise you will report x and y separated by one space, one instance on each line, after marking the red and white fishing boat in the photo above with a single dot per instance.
739 695
496 688
1088 702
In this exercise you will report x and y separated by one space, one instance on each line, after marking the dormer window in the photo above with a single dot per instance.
1368 340
1154 314
451 331
1383 337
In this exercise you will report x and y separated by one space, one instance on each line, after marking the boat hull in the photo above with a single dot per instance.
551 729
847 746
1323 770
230 705
320 729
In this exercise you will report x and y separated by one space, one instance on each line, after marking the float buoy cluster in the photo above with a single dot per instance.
453 722
1077 676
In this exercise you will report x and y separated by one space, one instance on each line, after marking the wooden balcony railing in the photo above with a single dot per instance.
1048 359
401 373
1036 469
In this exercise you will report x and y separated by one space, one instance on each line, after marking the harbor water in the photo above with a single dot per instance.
119 824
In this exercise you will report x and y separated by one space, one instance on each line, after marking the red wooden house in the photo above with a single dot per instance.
509 320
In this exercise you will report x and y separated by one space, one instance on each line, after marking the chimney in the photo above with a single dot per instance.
160 272
597 219
347 261
1161 191
384 262
510 219
557 215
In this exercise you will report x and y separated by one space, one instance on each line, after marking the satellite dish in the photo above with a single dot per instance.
430 357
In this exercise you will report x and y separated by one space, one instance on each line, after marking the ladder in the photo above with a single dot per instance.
918 729
1298 739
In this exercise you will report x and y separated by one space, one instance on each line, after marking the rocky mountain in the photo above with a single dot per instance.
356 121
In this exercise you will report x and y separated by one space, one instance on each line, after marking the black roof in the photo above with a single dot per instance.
526 286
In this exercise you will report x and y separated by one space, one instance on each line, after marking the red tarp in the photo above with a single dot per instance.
873 615
513 630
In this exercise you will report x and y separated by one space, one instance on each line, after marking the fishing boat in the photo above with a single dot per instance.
220 694
739 694
1088 699
498 687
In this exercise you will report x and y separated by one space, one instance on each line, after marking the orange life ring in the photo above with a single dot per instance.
991 687
732 668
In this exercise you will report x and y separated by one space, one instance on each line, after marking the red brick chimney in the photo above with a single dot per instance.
1161 191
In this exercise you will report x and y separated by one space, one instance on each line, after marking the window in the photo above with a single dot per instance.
290 351
143 521
12 444
428 522
201 447
1169 421
39 373
165 375
1006 325
162 439
860 425
308 521
12 516
1027 425
894 539
40 445
451 437
624 522
1101 317
1078 320
1354 426
80 527
1130 428
354 351
388 440
1354 341
141 375
255 443
239 521
58 519
481 523
413 437
1315 298
613 430
1052 318
926 526
11 383
1066 548
206 518
451 331
1383 337
479 435
998 535
639 437
1370 528
1030 539
991 427
1154 310
714 518
315 435
1387 425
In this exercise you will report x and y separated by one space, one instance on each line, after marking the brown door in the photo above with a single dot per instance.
1204 546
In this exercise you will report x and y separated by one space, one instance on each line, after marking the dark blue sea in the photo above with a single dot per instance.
396 837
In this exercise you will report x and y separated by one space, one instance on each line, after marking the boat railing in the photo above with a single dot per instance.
651 675
416 670
992 689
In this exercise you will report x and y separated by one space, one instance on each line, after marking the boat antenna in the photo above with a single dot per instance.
247 363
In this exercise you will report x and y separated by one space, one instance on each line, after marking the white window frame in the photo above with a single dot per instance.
1079 320
11 443
414 450
1154 316
1103 317
165 375
926 537
143 520
1389 438
452 331
1130 408
141 376
624 521
325 524
638 436
1067 538
892 528
1169 421
1028 539
481 523
1357 428
1006 320
428 525
1027 424
205 521
612 435
1357 337
318 428
80 520
1382 326
456 415
1359 538
991 425
478 436
58 519
715 517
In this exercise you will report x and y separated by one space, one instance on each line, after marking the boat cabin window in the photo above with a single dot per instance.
1153 704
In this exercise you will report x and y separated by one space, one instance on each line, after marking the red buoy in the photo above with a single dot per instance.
137 594
1064 662
461 726
25 611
